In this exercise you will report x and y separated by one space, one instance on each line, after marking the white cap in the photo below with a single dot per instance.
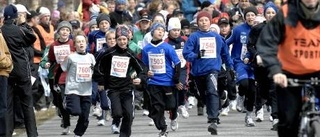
22 8
216 27
174 23
44 11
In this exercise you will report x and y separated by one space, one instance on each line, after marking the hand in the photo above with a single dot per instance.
259 60
232 74
236 17
179 86
246 60
100 88
133 75
47 65
280 79
150 74
136 81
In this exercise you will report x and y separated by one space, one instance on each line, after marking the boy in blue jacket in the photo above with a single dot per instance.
205 50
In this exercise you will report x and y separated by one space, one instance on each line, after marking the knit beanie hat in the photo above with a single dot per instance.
10 12
204 14
216 27
92 22
185 23
44 11
270 4
205 4
123 2
155 26
122 30
103 16
250 9
174 23
64 24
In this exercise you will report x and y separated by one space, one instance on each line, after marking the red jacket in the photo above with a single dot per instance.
86 4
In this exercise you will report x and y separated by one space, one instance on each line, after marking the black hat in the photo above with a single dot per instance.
10 12
75 24
185 24
223 20
177 11
144 17
32 14
205 4
250 9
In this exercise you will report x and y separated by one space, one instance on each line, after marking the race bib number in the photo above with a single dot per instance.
61 52
208 47
99 43
244 51
182 60
157 63
119 66
84 72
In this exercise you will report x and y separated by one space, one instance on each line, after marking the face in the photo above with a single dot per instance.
64 33
35 20
171 8
204 24
310 3
250 17
80 43
158 33
234 2
244 4
45 19
21 17
210 9
122 42
160 7
111 7
158 19
94 27
121 7
175 33
144 25
270 13
132 4
186 31
104 26
111 39
225 29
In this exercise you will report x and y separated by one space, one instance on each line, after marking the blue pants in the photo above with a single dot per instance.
3 105
207 86
79 106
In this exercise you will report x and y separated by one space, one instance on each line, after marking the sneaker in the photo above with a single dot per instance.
115 129
97 111
44 109
14 133
108 115
233 105
145 112
101 122
224 111
191 102
259 115
151 123
224 97
200 111
270 118
65 131
183 111
163 134
248 120
212 128
76 136
240 101
174 124
275 124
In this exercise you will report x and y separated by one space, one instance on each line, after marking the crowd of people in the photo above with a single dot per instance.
111 58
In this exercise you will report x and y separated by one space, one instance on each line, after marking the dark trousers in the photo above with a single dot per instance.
59 96
122 107
161 98
207 86
247 87
3 105
79 106
37 90
22 89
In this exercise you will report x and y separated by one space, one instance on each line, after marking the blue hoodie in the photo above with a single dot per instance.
204 66
92 40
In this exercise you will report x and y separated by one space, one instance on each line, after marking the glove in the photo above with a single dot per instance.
232 73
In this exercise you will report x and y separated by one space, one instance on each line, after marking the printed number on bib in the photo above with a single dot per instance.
61 52
84 72
119 66
157 63
182 60
208 44
100 42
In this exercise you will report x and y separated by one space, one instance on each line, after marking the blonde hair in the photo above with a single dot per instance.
110 32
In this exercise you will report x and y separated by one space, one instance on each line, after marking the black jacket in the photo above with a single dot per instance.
273 34
120 17
18 40
103 68
253 38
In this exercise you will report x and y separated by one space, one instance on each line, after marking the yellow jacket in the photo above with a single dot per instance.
5 58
